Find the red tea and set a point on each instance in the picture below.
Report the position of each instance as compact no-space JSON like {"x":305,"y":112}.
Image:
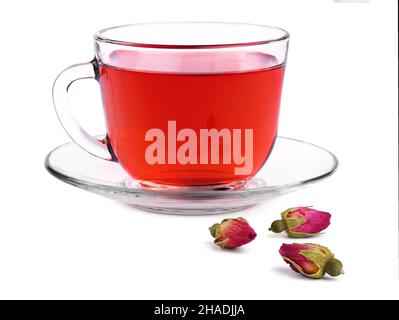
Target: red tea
{"x":191,"y":119}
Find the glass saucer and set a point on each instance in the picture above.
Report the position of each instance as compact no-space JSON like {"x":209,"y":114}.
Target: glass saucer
{"x":291,"y":165}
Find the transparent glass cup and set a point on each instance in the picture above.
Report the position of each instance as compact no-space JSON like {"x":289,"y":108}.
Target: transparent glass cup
{"x":186,"y":104}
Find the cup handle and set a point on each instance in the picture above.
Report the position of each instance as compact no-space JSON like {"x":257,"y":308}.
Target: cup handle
{"x":62,"y":83}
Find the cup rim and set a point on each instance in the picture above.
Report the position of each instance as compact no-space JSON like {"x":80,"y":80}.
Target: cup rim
{"x":100,"y":37}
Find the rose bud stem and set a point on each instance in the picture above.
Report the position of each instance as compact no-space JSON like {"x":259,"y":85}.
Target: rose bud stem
{"x":334,"y":267}
{"x":278,"y":226}
{"x":213,"y":229}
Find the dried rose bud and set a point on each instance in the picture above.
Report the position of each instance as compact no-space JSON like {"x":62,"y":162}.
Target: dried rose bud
{"x":311,"y":260}
{"x":301,"y":222}
{"x":232,"y":233}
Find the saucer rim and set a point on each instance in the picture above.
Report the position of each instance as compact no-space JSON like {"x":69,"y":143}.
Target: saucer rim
{"x":165,"y":192}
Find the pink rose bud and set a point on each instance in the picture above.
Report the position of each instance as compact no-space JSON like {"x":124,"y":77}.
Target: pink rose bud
{"x":301,"y":222}
{"x":311,"y":260}
{"x":232,"y":233}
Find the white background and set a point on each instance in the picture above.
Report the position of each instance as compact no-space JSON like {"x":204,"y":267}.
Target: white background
{"x":340,"y":92}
